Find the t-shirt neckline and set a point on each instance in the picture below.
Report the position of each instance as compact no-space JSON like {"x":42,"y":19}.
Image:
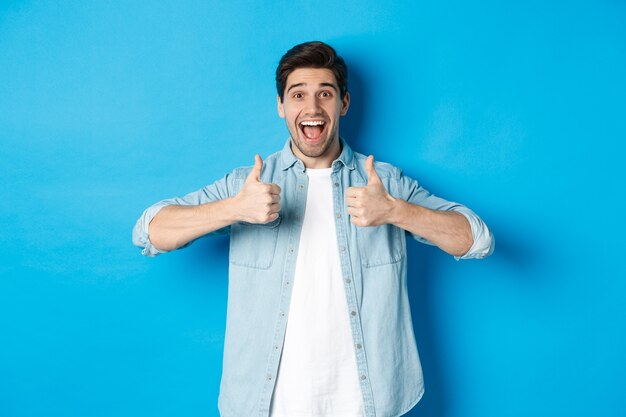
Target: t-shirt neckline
{"x":319,"y":172}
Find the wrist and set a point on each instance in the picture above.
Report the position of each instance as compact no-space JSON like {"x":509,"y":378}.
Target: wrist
{"x":230,"y":210}
{"x":394,"y":212}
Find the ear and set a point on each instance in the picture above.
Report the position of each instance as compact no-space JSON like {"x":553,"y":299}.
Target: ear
{"x":345,"y":103}
{"x":281,"y":110}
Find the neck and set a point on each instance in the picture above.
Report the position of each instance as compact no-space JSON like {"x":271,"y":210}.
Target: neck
{"x":323,"y":161}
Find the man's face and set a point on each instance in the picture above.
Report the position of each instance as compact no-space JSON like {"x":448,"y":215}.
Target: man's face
{"x":311,"y":108}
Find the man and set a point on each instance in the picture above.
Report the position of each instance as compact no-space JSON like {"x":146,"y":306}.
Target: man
{"x":318,"y":320}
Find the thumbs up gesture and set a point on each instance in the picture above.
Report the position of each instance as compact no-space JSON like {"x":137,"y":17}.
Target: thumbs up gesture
{"x":370,"y":205}
{"x":257,"y":202}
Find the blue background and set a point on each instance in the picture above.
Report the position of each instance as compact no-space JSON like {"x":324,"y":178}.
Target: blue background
{"x":516,"y":110}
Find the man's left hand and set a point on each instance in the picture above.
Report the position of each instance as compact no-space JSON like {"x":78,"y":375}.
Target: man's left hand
{"x":371,"y":205}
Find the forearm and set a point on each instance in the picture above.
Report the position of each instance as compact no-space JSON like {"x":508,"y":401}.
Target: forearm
{"x":176,"y":225}
{"x":449,"y":230}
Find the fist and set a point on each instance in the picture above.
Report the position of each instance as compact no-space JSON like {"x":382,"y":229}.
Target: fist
{"x":258,"y":202}
{"x":370,"y":205}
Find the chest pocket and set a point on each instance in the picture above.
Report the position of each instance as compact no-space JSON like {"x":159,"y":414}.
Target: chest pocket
{"x":253,"y":245}
{"x":380,"y":245}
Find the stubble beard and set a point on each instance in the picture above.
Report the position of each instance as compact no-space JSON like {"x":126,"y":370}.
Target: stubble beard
{"x":315,"y":152}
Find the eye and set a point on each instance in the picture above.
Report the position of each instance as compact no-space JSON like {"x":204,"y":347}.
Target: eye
{"x":298,"y":95}
{"x":325,"y":94}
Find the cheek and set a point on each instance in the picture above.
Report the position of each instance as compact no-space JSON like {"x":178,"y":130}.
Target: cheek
{"x":334,"y":110}
{"x":292,"y":116}
{"x":291,"y":122}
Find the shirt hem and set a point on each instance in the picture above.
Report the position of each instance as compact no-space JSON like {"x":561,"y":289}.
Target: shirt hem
{"x":410,"y":407}
{"x":403,"y":412}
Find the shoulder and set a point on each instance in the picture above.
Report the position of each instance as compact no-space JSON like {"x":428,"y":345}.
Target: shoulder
{"x":384,"y":170}
{"x":271,"y":168}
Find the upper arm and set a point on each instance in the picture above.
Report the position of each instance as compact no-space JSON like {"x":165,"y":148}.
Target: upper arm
{"x":219,"y":190}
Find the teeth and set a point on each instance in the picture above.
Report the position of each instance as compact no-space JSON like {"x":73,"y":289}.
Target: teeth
{"x":312,"y":123}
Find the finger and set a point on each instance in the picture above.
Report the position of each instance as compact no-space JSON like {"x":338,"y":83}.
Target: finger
{"x":353,"y":202}
{"x":274,"y":189}
{"x":372,"y":176}
{"x":353,"y":211}
{"x":352,"y":192}
{"x":267,"y":199}
{"x":357,"y":221}
{"x":270,"y":217}
{"x":255,"y":173}
{"x":275,"y":208}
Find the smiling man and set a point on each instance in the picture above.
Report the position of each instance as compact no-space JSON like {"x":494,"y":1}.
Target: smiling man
{"x":311,"y":106}
{"x":318,"y":320}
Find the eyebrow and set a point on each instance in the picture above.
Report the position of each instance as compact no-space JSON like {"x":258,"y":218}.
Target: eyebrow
{"x":331,"y":85}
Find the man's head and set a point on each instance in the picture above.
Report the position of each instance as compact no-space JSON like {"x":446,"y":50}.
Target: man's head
{"x":311,"y":81}
{"x":311,"y":55}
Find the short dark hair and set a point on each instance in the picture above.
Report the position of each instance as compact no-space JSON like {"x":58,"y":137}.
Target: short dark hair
{"x":313,"y":54}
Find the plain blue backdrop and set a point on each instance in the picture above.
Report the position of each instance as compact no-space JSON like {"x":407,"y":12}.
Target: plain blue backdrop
{"x":516,"y":110}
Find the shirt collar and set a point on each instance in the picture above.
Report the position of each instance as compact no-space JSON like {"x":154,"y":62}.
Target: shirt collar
{"x":346,"y":157}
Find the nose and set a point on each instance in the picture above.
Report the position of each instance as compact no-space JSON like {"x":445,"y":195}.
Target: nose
{"x":313,"y":105}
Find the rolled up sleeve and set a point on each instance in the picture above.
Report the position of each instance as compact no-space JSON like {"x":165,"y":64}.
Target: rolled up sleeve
{"x":484,"y":242}
{"x":141,"y":237}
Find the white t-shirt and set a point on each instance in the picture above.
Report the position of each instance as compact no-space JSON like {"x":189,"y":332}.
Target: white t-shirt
{"x":317,"y":376}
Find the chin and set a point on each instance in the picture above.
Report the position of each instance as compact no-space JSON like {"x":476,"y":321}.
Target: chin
{"x":313,"y":150}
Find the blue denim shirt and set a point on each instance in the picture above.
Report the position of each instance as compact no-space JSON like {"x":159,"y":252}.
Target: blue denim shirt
{"x":374,"y":268}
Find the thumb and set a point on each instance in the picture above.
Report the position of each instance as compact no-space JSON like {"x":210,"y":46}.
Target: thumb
{"x":255,"y":174}
{"x":372,"y":176}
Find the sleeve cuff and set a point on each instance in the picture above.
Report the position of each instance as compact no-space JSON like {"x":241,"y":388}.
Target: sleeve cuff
{"x":141,"y":236}
{"x":484,"y":241}
{"x":151,"y":251}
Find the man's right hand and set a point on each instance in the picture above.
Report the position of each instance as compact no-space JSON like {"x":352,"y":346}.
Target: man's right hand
{"x":257,"y":202}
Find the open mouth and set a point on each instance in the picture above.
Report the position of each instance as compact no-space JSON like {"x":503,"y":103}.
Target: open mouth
{"x":312,"y":129}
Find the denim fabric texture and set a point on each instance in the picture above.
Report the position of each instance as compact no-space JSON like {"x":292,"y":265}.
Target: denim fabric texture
{"x":374,"y":268}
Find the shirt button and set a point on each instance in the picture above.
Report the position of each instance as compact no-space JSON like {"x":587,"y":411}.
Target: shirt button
{"x":342,"y":248}
{"x":348,"y":281}
{"x":336,"y":184}
{"x":269,"y":377}
{"x":363,"y":377}
{"x":290,"y":250}
{"x":338,"y":215}
{"x":353,"y":313}
{"x":301,"y":186}
{"x":286,"y":283}
{"x":358,"y":346}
